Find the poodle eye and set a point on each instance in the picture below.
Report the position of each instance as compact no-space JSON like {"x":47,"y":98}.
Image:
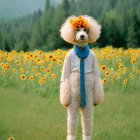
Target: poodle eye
{"x":85,"y":29}
{"x":77,"y":29}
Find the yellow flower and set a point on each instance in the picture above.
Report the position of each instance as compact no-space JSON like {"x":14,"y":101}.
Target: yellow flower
{"x":38,"y":74}
{"x":14,"y":70}
{"x":23,"y":77}
{"x":40,"y":81}
{"x":11,"y":138}
{"x":50,"y":65}
{"x":108,"y":57}
{"x":2,"y":58}
{"x":17,"y":62}
{"x":21,"y":69}
{"x":134,"y":68}
{"x":60,"y":62}
{"x":118,"y":71}
{"x":132,"y":76}
{"x":137,"y":71}
{"x":125,"y":81}
{"x":48,"y":70}
{"x":120,"y":66}
{"x":113,"y":79}
{"x":33,"y":68}
{"x":53,"y":75}
{"x":107,"y":73}
{"x":133,"y":61}
{"x":103,"y":67}
{"x":42,"y":68}
{"x":104,"y":81}
{"x":3,"y":72}
{"x":31,"y":77}
{"x":125,"y":69}
{"x":54,"y":59}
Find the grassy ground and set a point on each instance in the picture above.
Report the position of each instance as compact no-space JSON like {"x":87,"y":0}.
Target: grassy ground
{"x":32,"y":117}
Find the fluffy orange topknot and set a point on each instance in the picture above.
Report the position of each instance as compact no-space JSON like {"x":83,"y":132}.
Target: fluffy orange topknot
{"x":79,"y":22}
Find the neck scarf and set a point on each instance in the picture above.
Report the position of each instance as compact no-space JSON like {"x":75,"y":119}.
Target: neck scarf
{"x":82,"y":53}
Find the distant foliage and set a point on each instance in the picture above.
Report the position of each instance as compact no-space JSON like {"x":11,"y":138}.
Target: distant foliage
{"x":120,"y":20}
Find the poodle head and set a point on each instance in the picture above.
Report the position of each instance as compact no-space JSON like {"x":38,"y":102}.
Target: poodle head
{"x":80,"y":29}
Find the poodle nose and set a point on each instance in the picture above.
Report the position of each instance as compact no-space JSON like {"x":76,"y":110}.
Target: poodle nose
{"x":82,"y":36}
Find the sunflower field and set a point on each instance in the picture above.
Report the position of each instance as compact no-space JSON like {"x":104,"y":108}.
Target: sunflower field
{"x":40,"y":71}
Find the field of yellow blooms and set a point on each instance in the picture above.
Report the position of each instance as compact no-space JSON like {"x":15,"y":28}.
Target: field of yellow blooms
{"x":40,"y":71}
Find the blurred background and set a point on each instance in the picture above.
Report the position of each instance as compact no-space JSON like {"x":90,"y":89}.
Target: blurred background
{"x":34,"y":24}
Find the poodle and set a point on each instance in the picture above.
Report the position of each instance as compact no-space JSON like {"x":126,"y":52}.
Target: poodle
{"x":81,"y":86}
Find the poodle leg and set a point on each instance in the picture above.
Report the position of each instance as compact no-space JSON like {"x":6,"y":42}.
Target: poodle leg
{"x":72,"y":120}
{"x":87,"y":121}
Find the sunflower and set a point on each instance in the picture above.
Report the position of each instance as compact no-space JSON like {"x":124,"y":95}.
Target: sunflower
{"x":43,"y":79}
{"x":125,"y":81}
{"x":17,"y":62}
{"x":132,"y":76}
{"x":21,"y":69}
{"x":53,"y":75}
{"x":104,"y":67}
{"x":38,"y":74}
{"x":60,"y":62}
{"x":3,"y":72}
{"x":2,"y":58}
{"x":33,"y":68}
{"x":54,"y":59}
{"x":113,"y":79}
{"x":137,"y":71}
{"x":50,"y":65}
{"x":125,"y":69}
{"x":23,"y":77}
{"x":108,"y":56}
{"x":104,"y":81}
{"x":31,"y":77}
{"x":133,"y":61}
{"x":42,"y":68}
{"x":120,"y":66}
{"x":14,"y":70}
{"x":40,"y":81}
{"x":116,"y":54}
{"x":32,"y":60}
{"x":134,"y":68}
{"x":11,"y":138}
{"x":101,"y":57}
{"x":107,"y":73}
{"x":48,"y":70}
{"x":118,"y":71}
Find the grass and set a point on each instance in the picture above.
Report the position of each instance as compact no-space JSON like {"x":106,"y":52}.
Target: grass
{"x":32,"y":117}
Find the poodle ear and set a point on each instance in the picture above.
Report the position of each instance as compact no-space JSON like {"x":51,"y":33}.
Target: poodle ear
{"x":67,"y":32}
{"x":94,"y":29}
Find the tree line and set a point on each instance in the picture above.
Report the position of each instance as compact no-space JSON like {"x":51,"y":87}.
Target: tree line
{"x":119,"y":19}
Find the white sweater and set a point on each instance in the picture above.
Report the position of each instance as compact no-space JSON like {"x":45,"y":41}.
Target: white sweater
{"x":72,"y":63}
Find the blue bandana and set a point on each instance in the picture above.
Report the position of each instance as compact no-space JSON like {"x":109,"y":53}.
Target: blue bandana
{"x":82,"y":52}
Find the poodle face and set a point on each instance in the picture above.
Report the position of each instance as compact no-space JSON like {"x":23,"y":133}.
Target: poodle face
{"x":81,"y":34}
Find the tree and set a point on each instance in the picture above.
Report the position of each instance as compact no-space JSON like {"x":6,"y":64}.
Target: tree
{"x":134,"y":32}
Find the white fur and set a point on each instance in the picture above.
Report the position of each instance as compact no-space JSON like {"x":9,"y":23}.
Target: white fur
{"x":65,"y":92}
{"x":70,"y":88}
{"x":68,"y":33}
{"x":86,"y":137}
{"x":98,"y":93}
{"x":69,"y":137}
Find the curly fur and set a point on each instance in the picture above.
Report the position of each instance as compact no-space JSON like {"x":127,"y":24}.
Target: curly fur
{"x":65,"y":92}
{"x":98,"y":92}
{"x":68,"y":33}
{"x":70,"y":88}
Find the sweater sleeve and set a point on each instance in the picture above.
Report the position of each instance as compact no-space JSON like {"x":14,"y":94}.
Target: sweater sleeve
{"x":95,"y":66}
{"x":66,"y":68}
